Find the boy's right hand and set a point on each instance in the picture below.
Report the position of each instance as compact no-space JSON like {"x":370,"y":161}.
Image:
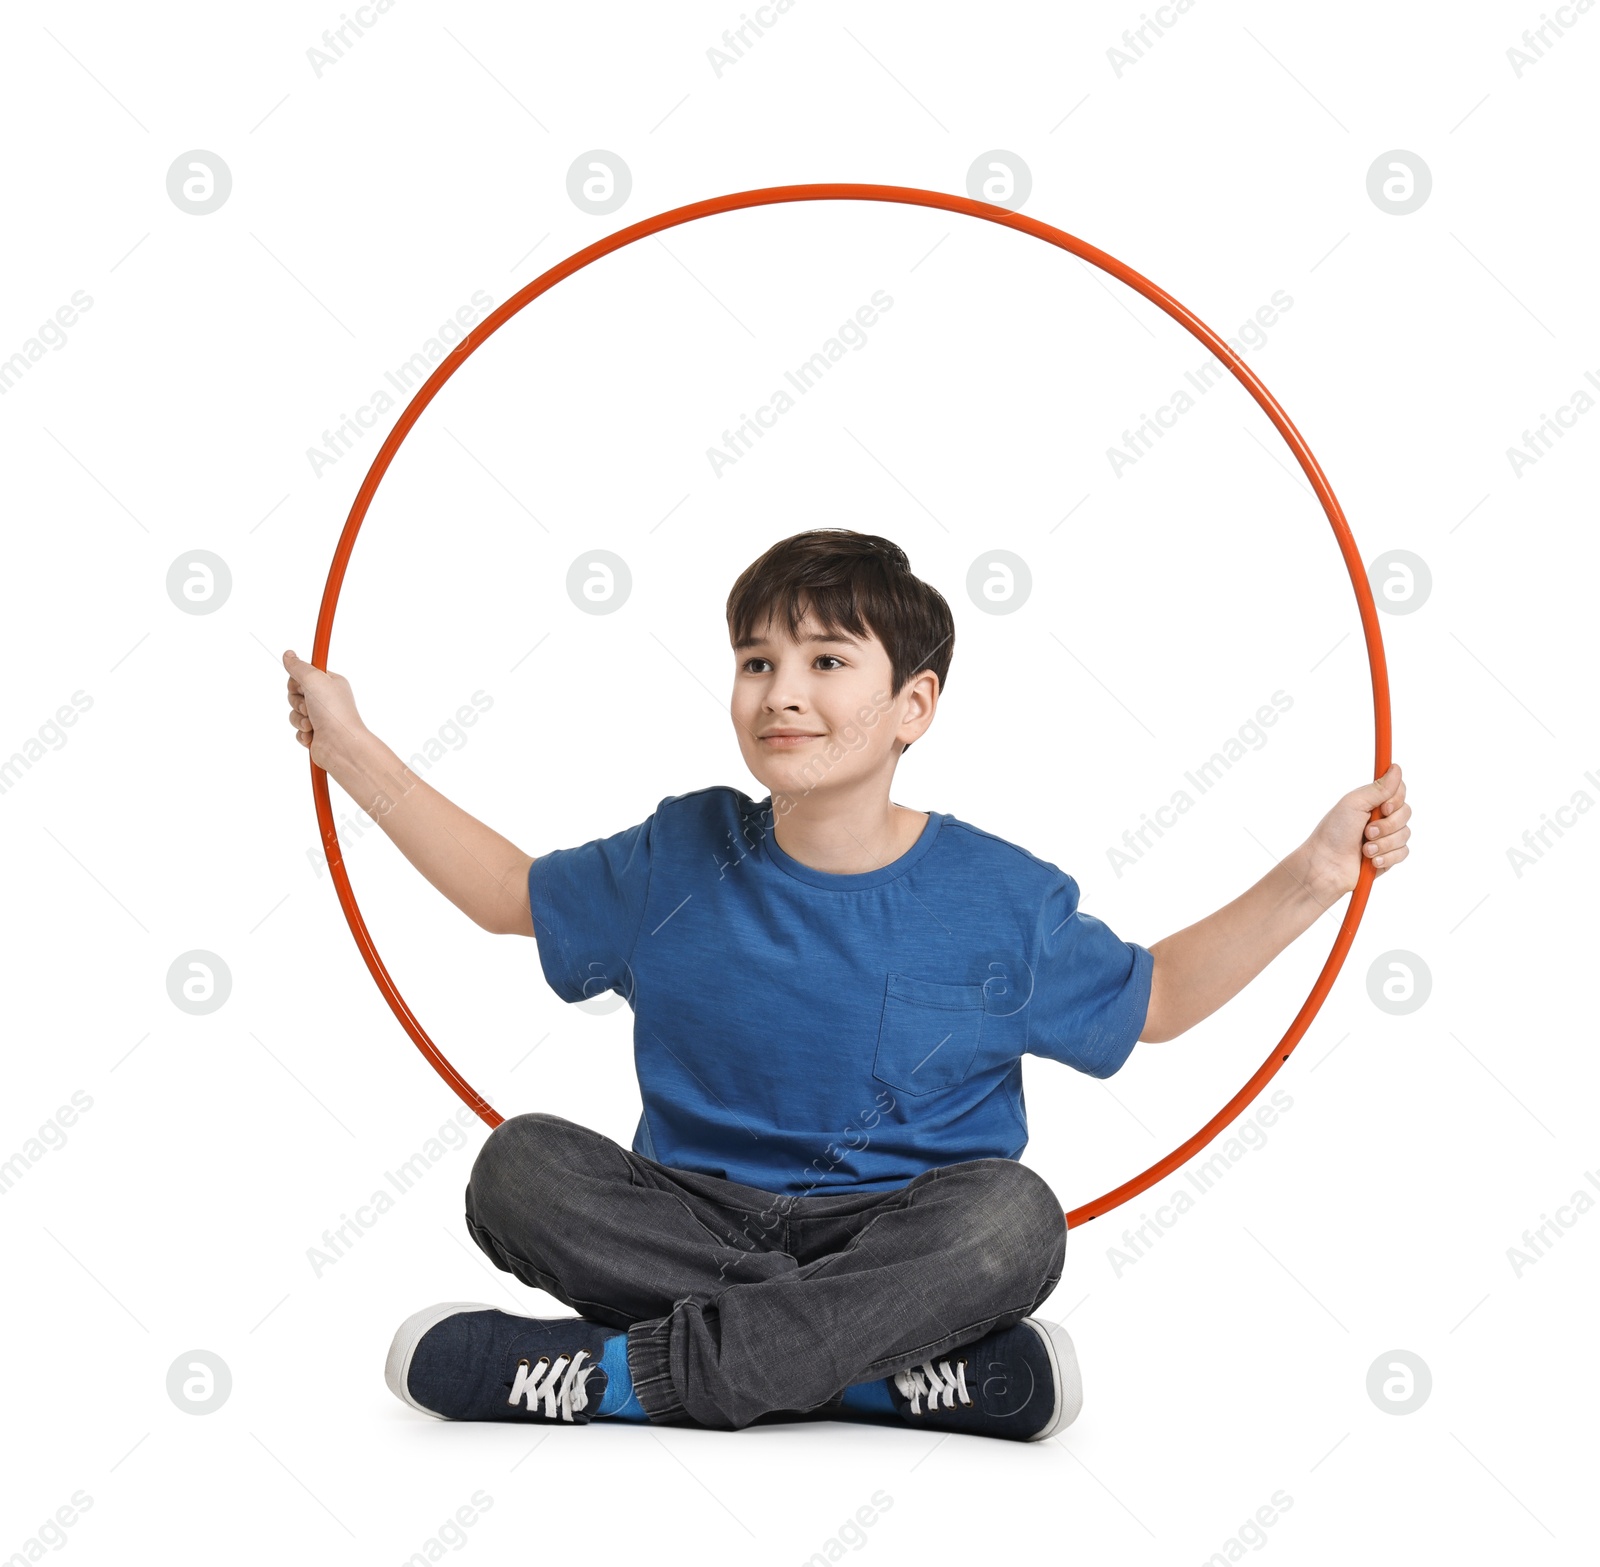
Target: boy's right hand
{"x":323,"y":712}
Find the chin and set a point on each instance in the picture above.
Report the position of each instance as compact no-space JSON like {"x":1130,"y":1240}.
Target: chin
{"x":779,"y":779}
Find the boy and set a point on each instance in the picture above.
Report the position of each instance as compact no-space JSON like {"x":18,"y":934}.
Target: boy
{"x":822,"y":1214}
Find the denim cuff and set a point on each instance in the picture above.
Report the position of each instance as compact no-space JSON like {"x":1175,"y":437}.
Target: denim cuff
{"x":650,"y":1368}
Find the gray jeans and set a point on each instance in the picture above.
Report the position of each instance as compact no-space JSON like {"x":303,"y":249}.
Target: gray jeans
{"x":744,"y":1305}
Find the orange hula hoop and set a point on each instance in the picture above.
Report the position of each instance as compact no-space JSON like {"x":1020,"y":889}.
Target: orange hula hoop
{"x":911,"y":196}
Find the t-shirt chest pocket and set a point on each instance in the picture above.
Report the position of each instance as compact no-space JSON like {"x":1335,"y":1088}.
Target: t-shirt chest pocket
{"x":928,"y":1036}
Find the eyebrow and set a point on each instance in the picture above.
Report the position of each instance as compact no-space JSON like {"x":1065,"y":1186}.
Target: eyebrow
{"x":761,"y":641}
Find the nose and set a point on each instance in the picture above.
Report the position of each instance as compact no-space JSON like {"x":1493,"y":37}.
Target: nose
{"x":785,"y":694}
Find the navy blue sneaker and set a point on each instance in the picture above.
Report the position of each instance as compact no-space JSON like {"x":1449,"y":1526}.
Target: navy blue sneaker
{"x":1020,"y":1382}
{"x":463,"y":1361}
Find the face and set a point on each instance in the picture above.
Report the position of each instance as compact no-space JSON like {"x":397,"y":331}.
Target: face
{"x":832,"y":692}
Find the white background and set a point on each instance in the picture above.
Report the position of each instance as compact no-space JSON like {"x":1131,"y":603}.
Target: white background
{"x":1228,"y":1362}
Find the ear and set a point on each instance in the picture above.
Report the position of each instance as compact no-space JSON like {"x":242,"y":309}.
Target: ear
{"x":918,"y":702}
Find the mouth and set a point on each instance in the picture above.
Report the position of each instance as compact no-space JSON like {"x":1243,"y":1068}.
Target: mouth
{"x":781,"y":740}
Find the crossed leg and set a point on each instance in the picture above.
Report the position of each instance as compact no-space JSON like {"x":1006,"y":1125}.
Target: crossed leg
{"x":741,"y":1303}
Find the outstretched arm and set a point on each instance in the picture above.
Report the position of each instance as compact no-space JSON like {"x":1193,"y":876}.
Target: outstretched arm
{"x":483,"y":874}
{"x":1200,"y":967}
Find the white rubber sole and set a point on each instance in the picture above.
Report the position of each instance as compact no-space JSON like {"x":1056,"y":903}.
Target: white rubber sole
{"x":397,"y":1367}
{"x":1068,"y":1378}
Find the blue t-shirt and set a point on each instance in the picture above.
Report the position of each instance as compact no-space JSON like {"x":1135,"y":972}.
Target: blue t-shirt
{"x":800,"y":1031}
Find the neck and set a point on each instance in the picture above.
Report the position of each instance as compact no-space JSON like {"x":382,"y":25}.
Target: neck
{"x":845,"y":833}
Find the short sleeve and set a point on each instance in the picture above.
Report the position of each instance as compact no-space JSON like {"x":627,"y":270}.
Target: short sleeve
{"x":1091,"y":990}
{"x":587,"y":905}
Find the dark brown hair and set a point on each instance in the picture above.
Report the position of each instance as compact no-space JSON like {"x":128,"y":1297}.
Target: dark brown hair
{"x":853,"y":582}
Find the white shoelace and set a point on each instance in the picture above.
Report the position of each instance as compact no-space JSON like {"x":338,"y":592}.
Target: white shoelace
{"x":933,"y":1381}
{"x":559,"y":1382}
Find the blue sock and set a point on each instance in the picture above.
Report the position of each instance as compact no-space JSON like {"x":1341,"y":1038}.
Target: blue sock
{"x":871,"y":1396}
{"x":619,"y":1401}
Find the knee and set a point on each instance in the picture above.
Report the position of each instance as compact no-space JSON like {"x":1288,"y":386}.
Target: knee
{"x":526,"y":1159}
{"x":1018,"y":1239}
{"x":1036,"y":1209}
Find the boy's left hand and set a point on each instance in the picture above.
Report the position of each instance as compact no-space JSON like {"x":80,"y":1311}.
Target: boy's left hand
{"x":1347,"y":835}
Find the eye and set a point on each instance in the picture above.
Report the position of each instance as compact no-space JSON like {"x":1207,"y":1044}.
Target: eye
{"x":832,"y":657}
